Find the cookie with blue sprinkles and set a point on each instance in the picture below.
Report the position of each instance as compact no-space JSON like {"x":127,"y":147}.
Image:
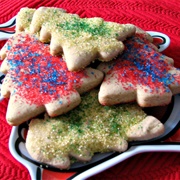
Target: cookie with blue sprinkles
{"x":38,"y":82}
{"x":140,"y":74}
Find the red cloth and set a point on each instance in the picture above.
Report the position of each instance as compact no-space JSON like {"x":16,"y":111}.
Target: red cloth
{"x":162,"y":16}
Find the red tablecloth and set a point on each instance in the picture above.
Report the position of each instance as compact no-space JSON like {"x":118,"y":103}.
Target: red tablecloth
{"x":156,"y":15}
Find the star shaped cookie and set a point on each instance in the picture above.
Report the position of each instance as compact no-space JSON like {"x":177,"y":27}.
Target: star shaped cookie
{"x":37,"y":82}
{"x":140,"y":74}
{"x":82,"y":40}
{"x":88,"y":129}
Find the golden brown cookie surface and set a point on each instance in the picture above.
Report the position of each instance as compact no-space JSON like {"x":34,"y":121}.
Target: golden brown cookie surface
{"x":82,"y":40}
{"x":88,"y":129}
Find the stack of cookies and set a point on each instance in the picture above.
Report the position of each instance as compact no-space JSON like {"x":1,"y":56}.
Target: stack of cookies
{"x":89,"y":77}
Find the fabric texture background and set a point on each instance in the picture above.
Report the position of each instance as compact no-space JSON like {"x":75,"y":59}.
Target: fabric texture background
{"x":156,"y":15}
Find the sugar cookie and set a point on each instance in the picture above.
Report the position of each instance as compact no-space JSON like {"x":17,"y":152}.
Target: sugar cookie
{"x":82,"y":40}
{"x":88,"y":129}
{"x":140,"y":74}
{"x":36,"y":81}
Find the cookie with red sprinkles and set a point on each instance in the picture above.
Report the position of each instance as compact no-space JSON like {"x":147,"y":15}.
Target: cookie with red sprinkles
{"x":37,"y":82}
{"x":140,"y":74}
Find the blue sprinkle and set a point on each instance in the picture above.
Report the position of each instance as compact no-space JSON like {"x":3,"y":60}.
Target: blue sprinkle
{"x":20,"y":83}
{"x":60,"y":102}
{"x":49,"y":65}
{"x":8,"y":47}
{"x":13,"y":92}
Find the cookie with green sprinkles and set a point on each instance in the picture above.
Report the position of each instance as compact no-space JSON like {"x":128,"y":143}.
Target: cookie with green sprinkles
{"x":81,"y":40}
{"x":88,"y":129}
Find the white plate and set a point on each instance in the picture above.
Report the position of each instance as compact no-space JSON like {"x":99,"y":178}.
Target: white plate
{"x":100,"y":162}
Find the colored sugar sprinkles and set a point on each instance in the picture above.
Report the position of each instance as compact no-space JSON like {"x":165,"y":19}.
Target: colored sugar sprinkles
{"x":140,"y":74}
{"x":82,"y":40}
{"x":40,"y":82}
{"x":36,"y":72}
{"x":142,"y":65}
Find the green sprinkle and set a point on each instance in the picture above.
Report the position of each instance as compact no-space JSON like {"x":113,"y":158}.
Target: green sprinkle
{"x":78,"y":25}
